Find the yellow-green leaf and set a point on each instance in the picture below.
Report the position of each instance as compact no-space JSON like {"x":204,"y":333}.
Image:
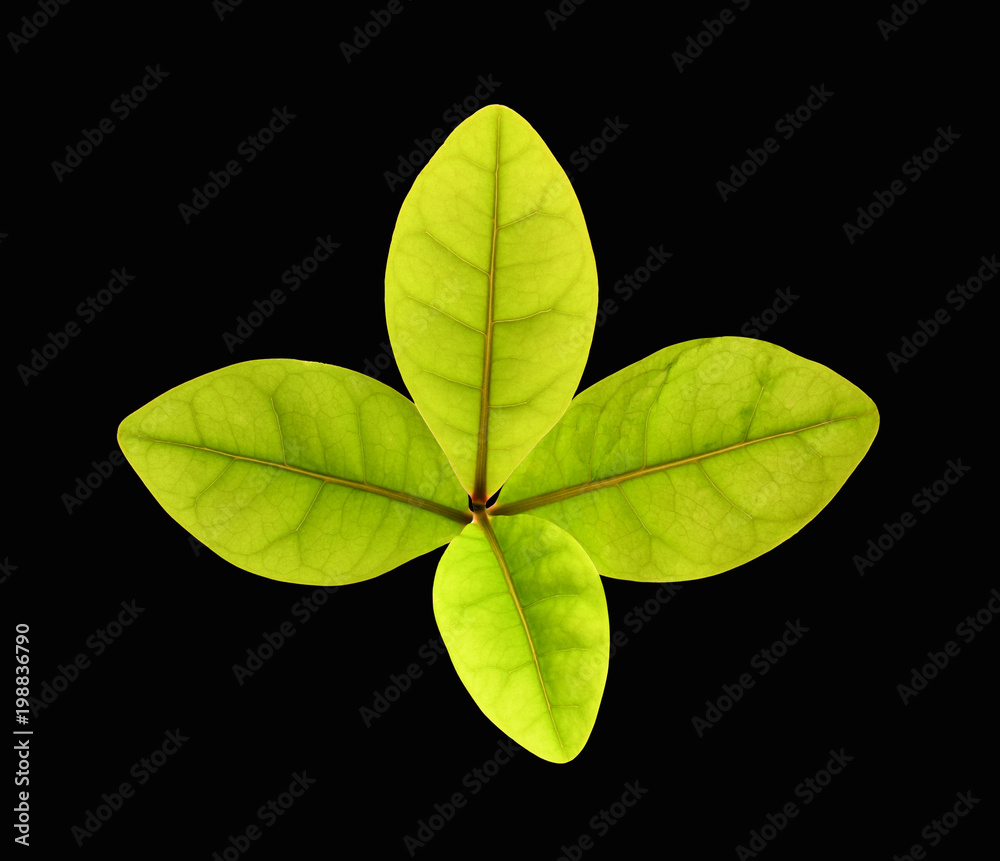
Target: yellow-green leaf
{"x":696,"y":459}
{"x":491,"y":295}
{"x":297,"y":471}
{"x":523,"y":615}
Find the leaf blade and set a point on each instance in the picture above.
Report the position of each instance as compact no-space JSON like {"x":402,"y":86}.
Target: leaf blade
{"x":296,"y":471}
{"x":523,"y":615}
{"x":684,"y":464}
{"x":490,"y":239}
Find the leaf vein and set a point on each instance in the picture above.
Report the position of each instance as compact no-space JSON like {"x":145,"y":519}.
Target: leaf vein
{"x":452,"y":251}
{"x":395,"y":495}
{"x":720,"y":492}
{"x":498,"y":552}
{"x":281,"y":436}
{"x":592,"y":485}
{"x":442,"y":311}
{"x":549,"y":598}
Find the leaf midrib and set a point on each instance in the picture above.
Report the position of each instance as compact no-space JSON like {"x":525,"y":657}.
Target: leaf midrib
{"x":479,"y":494}
{"x":462,"y":517}
{"x":565,"y":493}
{"x":484,"y":522}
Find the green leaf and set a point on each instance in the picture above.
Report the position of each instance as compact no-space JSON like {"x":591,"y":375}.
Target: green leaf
{"x":297,"y":471}
{"x":491,"y":295}
{"x":523,"y":615}
{"x":693,"y":461}
{"x":696,"y":459}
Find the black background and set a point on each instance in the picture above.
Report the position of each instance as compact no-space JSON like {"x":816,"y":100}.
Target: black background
{"x":67,"y":572}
